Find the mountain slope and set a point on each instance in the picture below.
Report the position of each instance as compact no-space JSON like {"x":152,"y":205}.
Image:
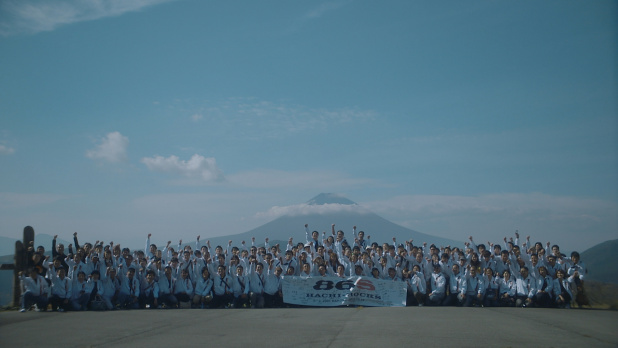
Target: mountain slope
{"x":329,"y":198}
{"x":600,"y":263}
{"x":322,"y":211}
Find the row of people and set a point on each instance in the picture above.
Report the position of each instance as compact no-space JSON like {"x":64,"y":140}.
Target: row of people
{"x":329,"y":256}
{"x":127,"y":290}
{"x":334,"y":252}
{"x":463,"y":288}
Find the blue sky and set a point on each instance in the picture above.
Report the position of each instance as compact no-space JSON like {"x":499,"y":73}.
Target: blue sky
{"x":179,"y":118}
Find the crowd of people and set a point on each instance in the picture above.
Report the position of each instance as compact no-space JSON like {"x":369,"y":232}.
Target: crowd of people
{"x":104,"y":276}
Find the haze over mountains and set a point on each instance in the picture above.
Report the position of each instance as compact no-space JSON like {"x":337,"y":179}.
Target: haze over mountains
{"x":7,"y":245}
{"x":320,"y":213}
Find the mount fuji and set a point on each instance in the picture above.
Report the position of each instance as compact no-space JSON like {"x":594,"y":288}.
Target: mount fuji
{"x":320,"y":213}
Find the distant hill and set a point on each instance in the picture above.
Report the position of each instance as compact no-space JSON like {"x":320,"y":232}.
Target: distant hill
{"x":6,"y":287}
{"x":600,"y":262}
{"x":7,"y":245}
{"x":325,"y":209}
{"x":319,"y":212}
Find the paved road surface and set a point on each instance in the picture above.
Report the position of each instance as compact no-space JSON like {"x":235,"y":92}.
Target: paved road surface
{"x":314,"y":327}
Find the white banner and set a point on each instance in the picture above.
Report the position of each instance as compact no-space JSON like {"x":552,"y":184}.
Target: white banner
{"x":335,"y":291}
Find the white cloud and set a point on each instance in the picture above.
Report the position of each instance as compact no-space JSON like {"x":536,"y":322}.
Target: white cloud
{"x":198,"y":169}
{"x":6,"y":150}
{"x":32,"y":16}
{"x":113,"y":148}
{"x":315,"y":13}
{"x":196,"y":117}
{"x":325,"y":8}
{"x":309,"y":209}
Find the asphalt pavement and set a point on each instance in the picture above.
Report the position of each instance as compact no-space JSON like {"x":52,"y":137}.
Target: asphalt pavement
{"x":314,"y":327}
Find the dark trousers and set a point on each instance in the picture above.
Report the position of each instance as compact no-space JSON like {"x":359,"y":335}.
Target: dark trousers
{"x":273,"y":301}
{"x":81,"y":302}
{"x":508,"y":301}
{"x":58,"y":302}
{"x":29,"y":299}
{"x":257,"y":300}
{"x":490,"y":299}
{"x":414,"y":299}
{"x":567,"y":299}
{"x":239,"y":301}
{"x":451,"y":300}
{"x":542,"y":299}
{"x":472,"y":299}
{"x":146,"y":300}
{"x":522,"y":301}
{"x":127,"y":301}
{"x":220,"y":301}
{"x":168,"y":299}
{"x":435,"y":299}
{"x":183,"y":297}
